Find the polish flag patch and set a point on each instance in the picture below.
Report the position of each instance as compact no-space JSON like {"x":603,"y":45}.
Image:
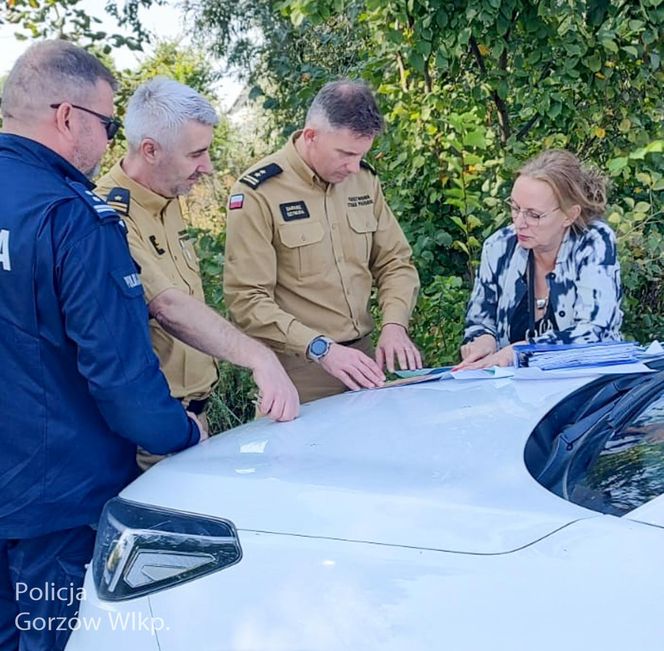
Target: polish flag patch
{"x":236,"y":201}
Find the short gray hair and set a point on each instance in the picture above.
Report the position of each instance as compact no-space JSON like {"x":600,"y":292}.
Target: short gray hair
{"x":347,"y":104}
{"x":51,"y":72}
{"x":159,"y":107}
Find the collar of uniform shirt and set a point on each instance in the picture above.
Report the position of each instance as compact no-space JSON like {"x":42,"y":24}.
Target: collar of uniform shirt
{"x":42,"y":155}
{"x":299,"y":166}
{"x":152,"y":202}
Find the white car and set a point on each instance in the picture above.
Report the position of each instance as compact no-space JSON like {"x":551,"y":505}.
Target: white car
{"x":402,"y":519}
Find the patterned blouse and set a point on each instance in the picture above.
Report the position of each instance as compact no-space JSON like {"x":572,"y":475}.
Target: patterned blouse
{"x":584,"y":288}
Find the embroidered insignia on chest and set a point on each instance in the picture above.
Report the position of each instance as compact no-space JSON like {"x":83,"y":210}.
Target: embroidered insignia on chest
{"x":236,"y":202}
{"x":294,"y":210}
{"x":362,"y":200}
{"x":254,"y":178}
{"x":157,"y":248}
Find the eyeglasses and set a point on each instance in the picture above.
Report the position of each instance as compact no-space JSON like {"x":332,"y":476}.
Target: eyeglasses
{"x":533,"y":218}
{"x":111,"y":125}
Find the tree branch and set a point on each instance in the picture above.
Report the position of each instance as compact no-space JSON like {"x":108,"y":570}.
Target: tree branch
{"x":403,"y":80}
{"x":475,"y":50}
{"x":428,"y":82}
{"x":503,"y":117}
{"x":501,"y":107}
{"x":523,"y":131}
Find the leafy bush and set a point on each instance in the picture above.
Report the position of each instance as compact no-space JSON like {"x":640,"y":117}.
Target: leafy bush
{"x":437,"y":324}
{"x":638,"y":218}
{"x":231,"y":403}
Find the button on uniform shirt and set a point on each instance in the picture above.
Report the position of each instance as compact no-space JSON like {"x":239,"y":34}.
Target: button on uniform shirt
{"x":160,"y":245}
{"x":302,"y":255}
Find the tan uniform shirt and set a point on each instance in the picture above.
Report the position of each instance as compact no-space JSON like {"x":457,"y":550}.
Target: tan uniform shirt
{"x":302,"y":255}
{"x":159,"y":244}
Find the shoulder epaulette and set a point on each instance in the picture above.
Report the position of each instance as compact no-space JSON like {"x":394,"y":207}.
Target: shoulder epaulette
{"x":254,"y":178}
{"x":118,"y":199}
{"x":368,"y":166}
{"x":102,"y":209}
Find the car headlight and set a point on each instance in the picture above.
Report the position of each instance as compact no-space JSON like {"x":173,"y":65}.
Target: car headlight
{"x":141,"y":549}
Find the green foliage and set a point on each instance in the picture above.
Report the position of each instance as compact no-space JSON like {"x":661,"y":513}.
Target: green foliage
{"x":66,"y":19}
{"x":437,"y":323}
{"x":187,"y":65}
{"x":284,"y":67}
{"x":232,"y":402}
{"x":639,"y":222}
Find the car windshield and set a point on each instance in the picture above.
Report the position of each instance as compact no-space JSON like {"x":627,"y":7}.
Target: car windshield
{"x":629,"y":469}
{"x":603,"y":446}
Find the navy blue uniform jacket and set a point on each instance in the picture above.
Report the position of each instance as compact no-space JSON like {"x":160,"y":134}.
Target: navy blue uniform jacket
{"x":79,"y":383}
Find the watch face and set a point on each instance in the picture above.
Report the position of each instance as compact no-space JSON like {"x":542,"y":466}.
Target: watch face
{"x":318,"y":347}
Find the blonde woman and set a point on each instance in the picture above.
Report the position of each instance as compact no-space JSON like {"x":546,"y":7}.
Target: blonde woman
{"x":553,"y":275}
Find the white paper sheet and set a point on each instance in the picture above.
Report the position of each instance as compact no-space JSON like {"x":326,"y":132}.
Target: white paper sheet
{"x":588,"y":371}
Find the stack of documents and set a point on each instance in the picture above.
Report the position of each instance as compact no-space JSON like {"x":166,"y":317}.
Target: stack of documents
{"x":555,"y":356}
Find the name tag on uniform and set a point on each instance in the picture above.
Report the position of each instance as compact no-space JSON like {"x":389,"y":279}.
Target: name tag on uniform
{"x":363,"y":200}
{"x":294,"y":210}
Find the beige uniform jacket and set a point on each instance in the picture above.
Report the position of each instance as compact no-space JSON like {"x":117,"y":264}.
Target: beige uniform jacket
{"x":302,"y":255}
{"x":159,"y":244}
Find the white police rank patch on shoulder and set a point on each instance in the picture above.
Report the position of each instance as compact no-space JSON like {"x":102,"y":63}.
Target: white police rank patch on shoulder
{"x":102,"y":209}
{"x":5,"y":260}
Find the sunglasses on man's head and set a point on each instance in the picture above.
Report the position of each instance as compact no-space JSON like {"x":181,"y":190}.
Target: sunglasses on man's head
{"x":111,"y":125}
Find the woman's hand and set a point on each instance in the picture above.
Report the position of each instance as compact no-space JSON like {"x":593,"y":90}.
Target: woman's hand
{"x":478,"y":348}
{"x":504,"y":357}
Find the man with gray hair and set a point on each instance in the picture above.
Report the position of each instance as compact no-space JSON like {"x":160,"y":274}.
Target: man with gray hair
{"x":308,"y":235}
{"x":80,"y":385}
{"x":169,"y":129}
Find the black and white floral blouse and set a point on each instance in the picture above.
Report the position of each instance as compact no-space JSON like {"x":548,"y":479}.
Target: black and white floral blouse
{"x":584,"y":288}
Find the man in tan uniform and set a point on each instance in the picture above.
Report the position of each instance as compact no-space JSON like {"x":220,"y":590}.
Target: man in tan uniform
{"x":169,"y":128}
{"x":308,"y":235}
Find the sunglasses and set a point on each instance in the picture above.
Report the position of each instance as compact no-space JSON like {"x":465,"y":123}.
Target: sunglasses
{"x":111,"y":125}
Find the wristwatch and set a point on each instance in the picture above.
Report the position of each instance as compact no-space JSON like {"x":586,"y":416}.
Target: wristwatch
{"x":319,"y":347}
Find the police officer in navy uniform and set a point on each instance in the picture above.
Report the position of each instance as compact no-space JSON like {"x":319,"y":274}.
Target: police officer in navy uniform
{"x":81,"y":386}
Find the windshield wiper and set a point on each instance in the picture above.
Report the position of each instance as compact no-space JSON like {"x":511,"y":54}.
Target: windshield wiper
{"x":580,"y":442}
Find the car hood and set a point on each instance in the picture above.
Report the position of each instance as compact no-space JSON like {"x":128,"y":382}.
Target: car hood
{"x":436,"y":466}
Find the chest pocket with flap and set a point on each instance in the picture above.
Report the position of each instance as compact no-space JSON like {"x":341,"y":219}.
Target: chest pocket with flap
{"x":304,"y":249}
{"x":363,"y":225}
